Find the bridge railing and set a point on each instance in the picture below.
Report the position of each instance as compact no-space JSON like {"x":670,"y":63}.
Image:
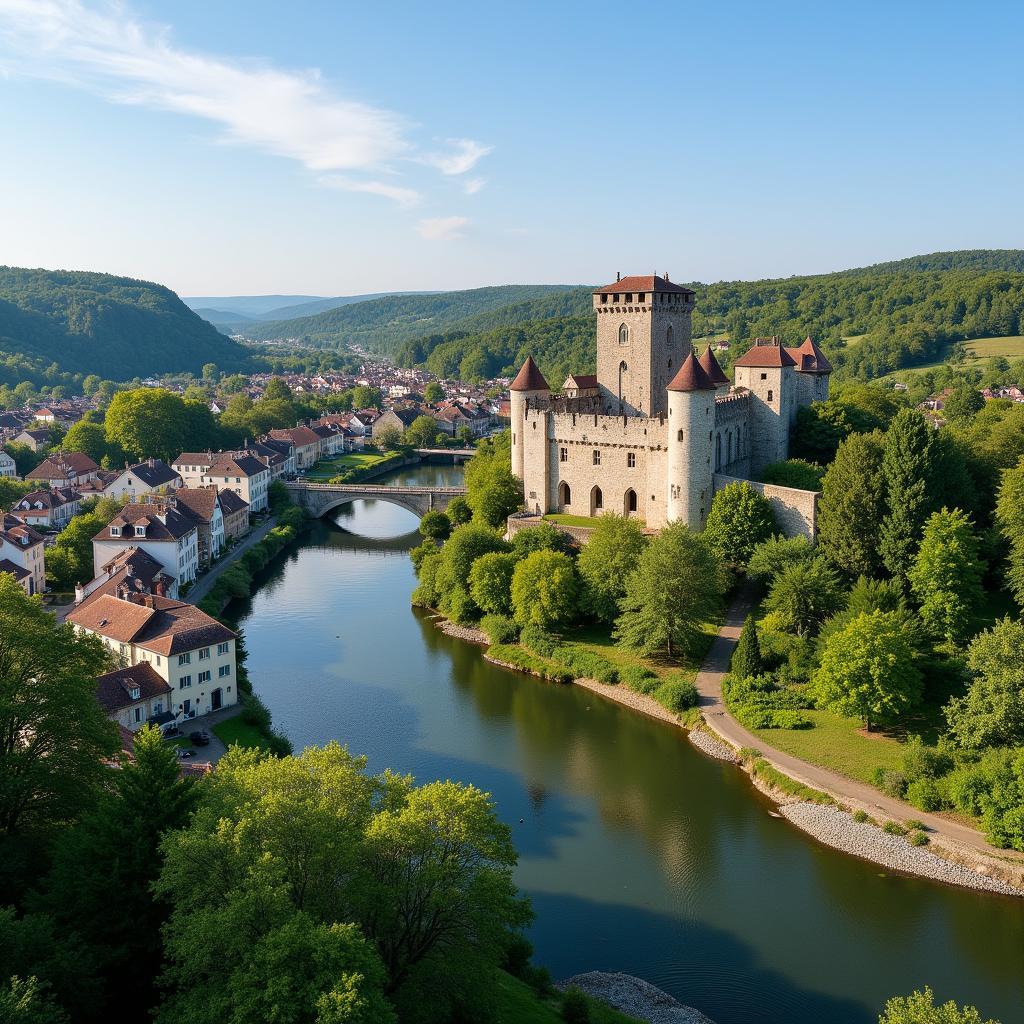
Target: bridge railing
{"x":372,"y":488}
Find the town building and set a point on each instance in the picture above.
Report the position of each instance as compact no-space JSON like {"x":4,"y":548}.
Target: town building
{"x":305,"y":441}
{"x":130,"y":571}
{"x":156,"y":527}
{"x":49,"y":509}
{"x":246,"y":475}
{"x":21,"y":554}
{"x":235,"y":512}
{"x":192,"y":652}
{"x":203,"y":506}
{"x":394,"y":419}
{"x":656,"y":431}
{"x":8,"y":468}
{"x":132,"y":696}
{"x":153,"y":476}
{"x":64,"y":469}
{"x":36,"y":438}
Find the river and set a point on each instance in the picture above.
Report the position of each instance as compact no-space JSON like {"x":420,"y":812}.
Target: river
{"x":639,"y":853}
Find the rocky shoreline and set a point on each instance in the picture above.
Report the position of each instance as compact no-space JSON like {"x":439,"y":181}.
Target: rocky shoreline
{"x":712,"y":746}
{"x":635,"y":997}
{"x":836,"y":828}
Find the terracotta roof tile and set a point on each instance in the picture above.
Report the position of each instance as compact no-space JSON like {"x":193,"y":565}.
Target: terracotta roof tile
{"x":712,"y":367}
{"x":642,"y":284}
{"x":529,"y":378}
{"x":691,"y":377}
{"x":114,"y":689}
{"x":809,"y":358}
{"x":766,"y":352}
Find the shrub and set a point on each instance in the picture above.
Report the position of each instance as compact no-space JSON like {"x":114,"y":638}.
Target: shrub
{"x":500,"y":629}
{"x":921,"y":761}
{"x":418,"y":553}
{"x":539,"y":640}
{"x":919,"y":839}
{"x":584,"y":663}
{"x":633,"y":674}
{"x":677,"y":695}
{"x":461,"y":607}
{"x":894,"y":828}
{"x":512,"y":654}
{"x":914,"y":823}
{"x":575,"y":1008}
{"x":860,"y":816}
{"x":926,"y":794}
{"x":890,"y":782}
{"x":435,"y":525}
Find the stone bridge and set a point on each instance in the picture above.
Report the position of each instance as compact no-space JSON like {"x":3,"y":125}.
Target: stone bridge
{"x":318,"y":499}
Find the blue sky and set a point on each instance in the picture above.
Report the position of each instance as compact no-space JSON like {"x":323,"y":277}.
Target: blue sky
{"x":337,"y":148}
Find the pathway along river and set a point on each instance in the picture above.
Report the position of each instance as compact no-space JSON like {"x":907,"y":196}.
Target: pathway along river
{"x":640,"y":854}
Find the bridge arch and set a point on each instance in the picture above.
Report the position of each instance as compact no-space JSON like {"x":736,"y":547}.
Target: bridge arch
{"x":319,"y":499}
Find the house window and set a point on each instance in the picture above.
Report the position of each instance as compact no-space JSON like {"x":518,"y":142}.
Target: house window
{"x":184,"y":681}
{"x":204,"y":677}
{"x":140,"y":531}
{"x":224,"y":670}
{"x":563,"y":454}
{"x":124,"y":650}
{"x":185,"y":659}
{"x":135,"y":693}
{"x":764,"y":376}
{"x":204,"y":653}
{"x":597,"y":456}
{"x":770,"y":393}
{"x":623,"y":334}
{"x":631,"y":460}
{"x":223,"y":648}
{"x":138,"y":714}
{"x":115,"y":531}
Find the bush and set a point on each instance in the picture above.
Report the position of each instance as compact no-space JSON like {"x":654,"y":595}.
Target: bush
{"x":926,"y":794}
{"x":500,"y":629}
{"x":914,"y":823}
{"x":461,"y":608}
{"x":512,"y":654}
{"x":891,"y":782}
{"x":894,"y":828}
{"x":677,"y":695}
{"x":860,"y":816}
{"x":435,"y":525}
{"x":418,"y":553}
{"x":921,"y":761}
{"x":575,"y":1008}
{"x":539,"y":640}
{"x":585,"y":664}
{"x":919,"y":839}
{"x":635,"y":675}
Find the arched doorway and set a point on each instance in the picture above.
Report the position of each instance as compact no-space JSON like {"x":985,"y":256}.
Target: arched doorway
{"x":596,"y":501}
{"x":564,"y":494}
{"x":629,"y":502}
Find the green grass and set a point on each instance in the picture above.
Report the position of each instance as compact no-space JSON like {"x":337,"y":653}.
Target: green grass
{"x":599,"y":640}
{"x":762,"y":770}
{"x":234,"y":730}
{"x":517,"y":1003}
{"x":566,"y":520}
{"x":853,"y":339}
{"x":327,"y":468}
{"x":1009,"y":346}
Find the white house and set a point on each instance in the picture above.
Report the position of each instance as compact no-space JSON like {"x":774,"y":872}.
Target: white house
{"x":48,"y":510}
{"x":159,"y":529}
{"x":21,"y":553}
{"x":246,"y":475}
{"x":153,"y":476}
{"x":7,"y":467}
{"x":203,"y":505}
{"x":192,"y":652}
{"x":132,"y":696}
{"x":64,"y":469}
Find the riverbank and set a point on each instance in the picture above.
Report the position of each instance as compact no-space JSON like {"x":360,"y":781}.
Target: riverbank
{"x":635,"y":997}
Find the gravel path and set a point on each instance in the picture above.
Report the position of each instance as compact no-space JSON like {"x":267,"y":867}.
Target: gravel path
{"x":636,"y":997}
{"x":837,"y":829}
{"x":708,"y":744}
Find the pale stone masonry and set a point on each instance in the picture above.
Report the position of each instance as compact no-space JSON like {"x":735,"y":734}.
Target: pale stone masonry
{"x":656,"y":431}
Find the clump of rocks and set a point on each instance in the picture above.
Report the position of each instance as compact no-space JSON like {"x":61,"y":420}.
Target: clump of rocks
{"x":712,"y":746}
{"x":635,"y":997}
{"x":837,"y":829}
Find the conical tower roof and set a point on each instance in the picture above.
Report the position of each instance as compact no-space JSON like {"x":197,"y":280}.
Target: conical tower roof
{"x":711,"y":366}
{"x":691,"y":377}
{"x":529,"y":378}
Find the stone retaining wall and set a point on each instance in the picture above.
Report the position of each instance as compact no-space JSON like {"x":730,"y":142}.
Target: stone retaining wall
{"x":796,"y":511}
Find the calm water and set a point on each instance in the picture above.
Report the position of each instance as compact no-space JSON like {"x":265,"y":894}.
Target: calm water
{"x":639,"y":854}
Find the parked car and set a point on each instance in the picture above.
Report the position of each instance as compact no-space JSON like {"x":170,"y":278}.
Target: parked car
{"x":200,"y":737}
{"x":184,"y":752}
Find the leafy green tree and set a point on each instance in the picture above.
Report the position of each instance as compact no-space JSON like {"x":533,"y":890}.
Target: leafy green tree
{"x":490,"y":582}
{"x":12,"y":491}
{"x":148,"y":423}
{"x":819,"y":430}
{"x":852,"y":505}
{"x":435,"y":525}
{"x":907,"y":475}
{"x":53,"y":733}
{"x":25,"y":1001}
{"x":542,"y":537}
{"x":606,"y":561}
{"x":771,"y":556}
{"x":991,"y":713}
{"x":920,"y":1008}
{"x":798,"y":473}
{"x":433,"y":393}
{"x":676,"y":588}
{"x":739,"y":520}
{"x":459,"y":511}
{"x":89,"y":438}
{"x":804,"y":594}
{"x":946,"y":574}
{"x":277,"y":390}
{"x":964,"y":402}
{"x":25,"y":460}
{"x":365,"y":397}
{"x":210,"y":371}
{"x":69,"y":560}
{"x":494,"y":492}
{"x":867,"y":670}
{"x":545,"y":590}
{"x":1010,"y":519}
{"x":422,"y":432}
{"x":747,"y":660}
{"x":89,"y":385}
{"x":389,"y":439}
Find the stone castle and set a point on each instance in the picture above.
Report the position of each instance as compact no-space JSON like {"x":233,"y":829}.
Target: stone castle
{"x":657,"y":431}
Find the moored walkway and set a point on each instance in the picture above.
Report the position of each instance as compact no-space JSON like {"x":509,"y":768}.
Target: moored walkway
{"x":845,"y":790}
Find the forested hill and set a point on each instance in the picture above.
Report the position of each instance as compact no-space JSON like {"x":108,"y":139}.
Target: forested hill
{"x":383,"y":324}
{"x":959,"y":259}
{"x":115,"y":327}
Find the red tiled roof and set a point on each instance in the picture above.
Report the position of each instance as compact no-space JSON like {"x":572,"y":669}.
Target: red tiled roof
{"x":643,"y":284}
{"x":711,"y":366}
{"x":14,"y":531}
{"x":529,"y":378}
{"x":56,"y":466}
{"x":766,"y":352}
{"x":113,"y":690}
{"x":581,"y":380}
{"x":691,"y":377}
{"x":809,"y":358}
{"x":6,"y":565}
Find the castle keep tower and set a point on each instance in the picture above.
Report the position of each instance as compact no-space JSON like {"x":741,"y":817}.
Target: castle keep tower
{"x":529,"y":384}
{"x":691,"y":422}
{"x":767,"y":371}
{"x":643,"y":336}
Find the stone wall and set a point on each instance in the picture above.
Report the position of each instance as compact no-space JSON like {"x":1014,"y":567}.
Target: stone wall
{"x":796,"y":511}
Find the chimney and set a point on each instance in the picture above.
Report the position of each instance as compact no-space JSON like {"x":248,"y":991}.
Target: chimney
{"x":160,"y":586}
{"x":618,"y":275}
{"x":79,"y":593}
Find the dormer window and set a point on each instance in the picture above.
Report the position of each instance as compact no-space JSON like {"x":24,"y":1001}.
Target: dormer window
{"x":140,"y":530}
{"x":115,"y":531}
{"x":135,"y":693}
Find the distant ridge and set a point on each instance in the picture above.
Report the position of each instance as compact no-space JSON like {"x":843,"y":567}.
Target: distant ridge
{"x":239,"y":309}
{"x":246,"y":305}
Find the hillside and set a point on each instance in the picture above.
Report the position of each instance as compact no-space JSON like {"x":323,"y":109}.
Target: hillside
{"x":115,"y":327}
{"x":961,"y":259}
{"x":248,"y":306}
{"x":383,"y":324}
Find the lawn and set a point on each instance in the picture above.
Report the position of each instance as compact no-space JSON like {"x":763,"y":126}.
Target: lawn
{"x":517,"y":1003}
{"x":1008,"y":346}
{"x":598,"y":639}
{"x":234,"y":730}
{"x":327,"y":468}
{"x":566,"y":520}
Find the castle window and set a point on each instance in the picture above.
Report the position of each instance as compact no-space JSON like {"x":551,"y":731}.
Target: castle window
{"x":629,"y":503}
{"x":631,"y":460}
{"x":623,"y":334}
{"x":718,"y":452}
{"x":764,"y":376}
{"x":597,"y":456}
{"x":564,"y":494}
{"x":596,"y":500}
{"x":668,"y":340}
{"x":563,"y":454}
{"x":641,"y":297}
{"x":679,"y":435}
{"x":604,"y":298}
{"x":728,"y":447}
{"x":629,"y":296}
{"x":770,"y":393}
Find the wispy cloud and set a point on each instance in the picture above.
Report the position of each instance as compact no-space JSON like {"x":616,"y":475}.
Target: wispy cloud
{"x":442,"y":229}
{"x":473,"y":185}
{"x":293,"y":114}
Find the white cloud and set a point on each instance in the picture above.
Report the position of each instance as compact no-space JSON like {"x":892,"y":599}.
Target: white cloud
{"x":292,"y":114}
{"x":473,"y":185}
{"x":442,"y":229}
{"x":464,"y":156}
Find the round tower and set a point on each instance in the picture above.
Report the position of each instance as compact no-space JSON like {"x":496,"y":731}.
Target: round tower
{"x":711,"y":366}
{"x":529,"y":384}
{"x":691,"y":425}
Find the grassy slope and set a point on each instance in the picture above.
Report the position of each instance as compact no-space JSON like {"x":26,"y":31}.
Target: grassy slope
{"x":517,"y":1003}
{"x":234,"y":730}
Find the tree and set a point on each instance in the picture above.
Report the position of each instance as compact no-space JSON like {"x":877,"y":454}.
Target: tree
{"x":277,"y":390}
{"x":494,"y":492}
{"x":210,"y":372}
{"x":490,"y":582}
{"x":908,"y":483}
{"x":819,"y":430}
{"x":459,"y":511}
{"x":746,"y":659}
{"x":388,"y":439}
{"x":542,"y":537}
{"x":25,"y":1001}
{"x":365,"y":397}
{"x":739,"y":520}
{"x":991,"y":713}
{"x":435,"y":525}
{"x":867,"y":670}
{"x":920,"y":1008}
{"x":25,"y":460}
{"x":69,"y":560}
{"x":963,"y":403}
{"x":12,"y":491}
{"x":99,"y":888}
{"x":148,"y":423}
{"x":804,"y":594}
{"x":89,"y":438}
{"x":676,"y":588}
{"x":771,"y":556}
{"x":1010,"y":520}
{"x":54,"y":736}
{"x":606,"y":561}
{"x":545,"y":590}
{"x":798,"y":473}
{"x":946,"y":574}
{"x":422,"y":432}
{"x":433,"y":393}
{"x":851,"y":505}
